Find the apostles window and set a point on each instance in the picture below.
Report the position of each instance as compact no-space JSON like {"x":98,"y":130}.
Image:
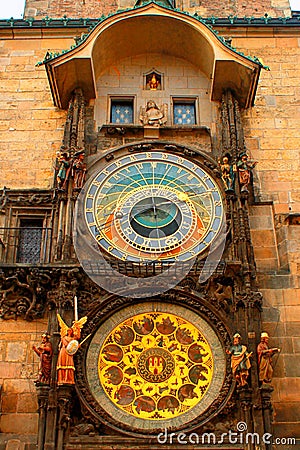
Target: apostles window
{"x":184,"y":111}
{"x":121,"y":110}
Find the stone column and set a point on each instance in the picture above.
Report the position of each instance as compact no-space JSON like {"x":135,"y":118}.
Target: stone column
{"x":43,"y":398}
{"x":64,"y":397}
{"x":266,"y":394}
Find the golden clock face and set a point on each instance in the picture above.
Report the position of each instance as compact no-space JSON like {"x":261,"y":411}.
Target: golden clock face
{"x":155,"y":366}
{"x":153,"y":206}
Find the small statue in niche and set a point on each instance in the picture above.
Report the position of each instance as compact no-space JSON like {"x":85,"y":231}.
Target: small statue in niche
{"x":245,"y":167}
{"x":240,"y":363}
{"x":153,"y":82}
{"x":45,"y":353}
{"x":153,"y":115}
{"x":227,"y":172}
{"x":78,"y":170}
{"x":64,"y":166}
{"x":264,"y":357}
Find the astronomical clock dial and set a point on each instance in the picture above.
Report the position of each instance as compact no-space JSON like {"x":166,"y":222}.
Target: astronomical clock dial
{"x":153,"y":206}
{"x":148,"y":367}
{"x":155,"y":366}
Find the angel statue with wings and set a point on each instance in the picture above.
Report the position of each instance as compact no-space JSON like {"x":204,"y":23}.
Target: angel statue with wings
{"x":68,"y":346}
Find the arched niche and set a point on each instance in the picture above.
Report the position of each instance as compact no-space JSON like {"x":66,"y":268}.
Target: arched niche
{"x":149,"y":29}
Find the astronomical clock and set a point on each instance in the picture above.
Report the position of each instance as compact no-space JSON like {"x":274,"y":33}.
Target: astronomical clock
{"x":156,"y":361}
{"x":153,"y":206}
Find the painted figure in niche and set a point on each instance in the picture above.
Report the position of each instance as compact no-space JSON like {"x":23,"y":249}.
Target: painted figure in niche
{"x":186,"y":392}
{"x":68,"y":346}
{"x":227,"y":173}
{"x":124,"y":336}
{"x":143,"y":326}
{"x":64,"y":166}
{"x":113,"y":353}
{"x":45,"y":353}
{"x":153,"y":82}
{"x":144,"y":403}
{"x":168,"y":403}
{"x":153,"y":115}
{"x":166,"y":326}
{"x":264,"y":356}
{"x":240,"y":363}
{"x":78,"y":170}
{"x":245,"y":167}
{"x":124,"y":395}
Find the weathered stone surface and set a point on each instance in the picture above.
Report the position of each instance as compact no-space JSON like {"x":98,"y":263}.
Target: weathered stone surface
{"x":9,"y":403}
{"x":27,"y":403}
{"x":16,"y":351}
{"x":40,"y":8}
{"x":19,"y":423}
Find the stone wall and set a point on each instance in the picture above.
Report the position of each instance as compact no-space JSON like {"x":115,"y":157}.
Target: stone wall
{"x":95,"y":8}
{"x":18,"y":370}
{"x":31,"y":127}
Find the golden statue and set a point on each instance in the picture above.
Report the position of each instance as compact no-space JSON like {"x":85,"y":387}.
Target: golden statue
{"x":68,"y":346}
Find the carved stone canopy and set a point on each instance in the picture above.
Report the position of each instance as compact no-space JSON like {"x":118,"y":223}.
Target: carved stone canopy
{"x":177,"y":34}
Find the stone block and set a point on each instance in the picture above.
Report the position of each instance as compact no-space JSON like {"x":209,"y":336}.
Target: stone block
{"x":289,"y":389}
{"x":261,"y":222}
{"x":16,"y":351}
{"x":27,"y":403}
{"x":293,"y":313}
{"x":283,"y":413}
{"x":17,"y":386}
{"x":266,"y":265}
{"x":274,"y":328}
{"x":279,"y":368}
{"x":272,"y":297}
{"x":291,"y":297}
{"x":267,"y":253}
{"x":21,"y":424}
{"x":263,"y":238}
{"x":291,"y":368}
{"x":39,"y":85}
{"x":10,"y":369}
{"x":270,"y":314}
{"x":9,"y":403}
{"x":177,"y":82}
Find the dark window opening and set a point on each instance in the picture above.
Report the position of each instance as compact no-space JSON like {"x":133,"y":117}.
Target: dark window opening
{"x":30,"y":241}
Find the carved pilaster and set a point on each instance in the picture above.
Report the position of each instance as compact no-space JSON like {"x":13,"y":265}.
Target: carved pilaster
{"x":64,"y":397}
{"x":43,"y":398}
{"x":245,"y":398}
{"x":267,"y":409}
{"x":70,"y":172}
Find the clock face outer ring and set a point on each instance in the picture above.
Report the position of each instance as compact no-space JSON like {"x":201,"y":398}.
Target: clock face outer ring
{"x":116,"y":191}
{"x":136,"y":422}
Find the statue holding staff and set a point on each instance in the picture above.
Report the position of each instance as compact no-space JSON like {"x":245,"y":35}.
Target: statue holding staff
{"x":264,"y":356}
